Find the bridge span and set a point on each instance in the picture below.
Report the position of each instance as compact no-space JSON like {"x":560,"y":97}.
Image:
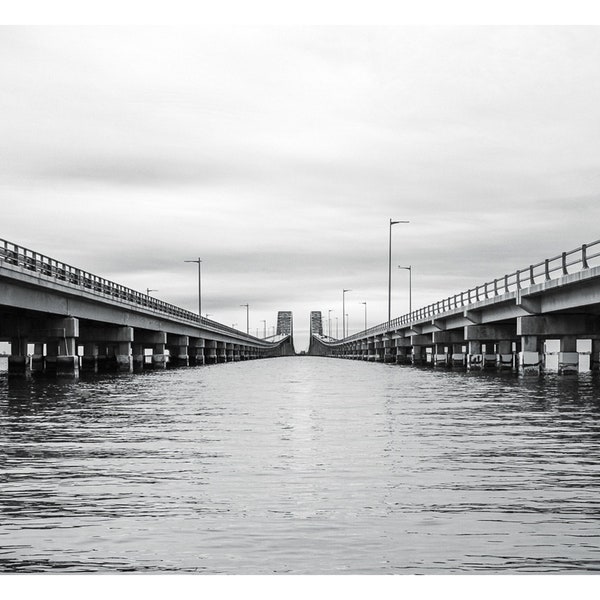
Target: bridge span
{"x":501,"y":324}
{"x":76,"y":321}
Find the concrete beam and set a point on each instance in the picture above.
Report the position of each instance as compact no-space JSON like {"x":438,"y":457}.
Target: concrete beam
{"x":551,"y":325}
{"x":420,"y":340}
{"x":447,"y":337}
{"x":490,"y":333}
{"x":141,"y":336}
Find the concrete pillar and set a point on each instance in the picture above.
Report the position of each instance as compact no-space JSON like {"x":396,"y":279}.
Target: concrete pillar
{"x":221,"y":352}
{"x":137,"y":356}
{"x":440,"y":355}
{"x":474,"y":356}
{"x":62,"y":359}
{"x":418,"y":355}
{"x":504,"y":355}
{"x":124,"y":357}
{"x":178,"y":350}
{"x":568,"y":357}
{"x":89,"y":360}
{"x":489,"y":358}
{"x":38,"y":362}
{"x":595,"y":356}
{"x":403,"y":355}
{"x":159,"y":356}
{"x":530,"y":358}
{"x":18,"y":361}
{"x":458,"y":358}
{"x":229,"y":352}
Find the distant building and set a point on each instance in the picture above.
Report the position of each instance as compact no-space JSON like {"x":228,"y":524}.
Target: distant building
{"x":316,"y":322}
{"x":285,"y":322}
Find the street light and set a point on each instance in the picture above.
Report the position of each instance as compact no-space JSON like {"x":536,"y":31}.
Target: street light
{"x":148,"y":290}
{"x":390,"y":272}
{"x":347,"y":326}
{"x":329,"y":322}
{"x":344,"y":312}
{"x":264,"y":322}
{"x":337,"y":337}
{"x":247,"y":317}
{"x":409,"y":269}
{"x":199,"y":283}
{"x":365,"y":314}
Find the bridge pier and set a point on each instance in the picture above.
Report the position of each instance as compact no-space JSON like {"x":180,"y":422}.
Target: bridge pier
{"x":568,"y":357}
{"x":19,"y":364}
{"x":89,"y":360}
{"x":178,"y":350}
{"x":458,"y":358}
{"x":530,"y":357}
{"x":62,"y":359}
{"x":595,"y":356}
{"x":137,"y":356}
{"x":474,"y":357}
{"x":504,"y":357}
{"x":38,"y":362}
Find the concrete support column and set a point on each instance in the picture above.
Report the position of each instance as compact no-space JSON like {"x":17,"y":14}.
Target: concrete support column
{"x":178,"y":350}
{"x":65,"y":361}
{"x":402,"y":355}
{"x":229,"y":352}
{"x":595,"y":356}
{"x":504,"y":355}
{"x":38,"y":362}
{"x":124,"y":357}
{"x":489,"y":355}
{"x":418,"y":356}
{"x":440,"y":355}
{"x":568,"y":357}
{"x":221,"y":352}
{"x":530,"y":358}
{"x":159,"y":356}
{"x":18,"y":361}
{"x":474,"y":356}
{"x":89,"y":360}
{"x":458,"y":358}
{"x":137,"y":352}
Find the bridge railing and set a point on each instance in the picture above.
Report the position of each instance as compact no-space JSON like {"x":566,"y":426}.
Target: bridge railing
{"x":19,"y":256}
{"x":579,"y":259}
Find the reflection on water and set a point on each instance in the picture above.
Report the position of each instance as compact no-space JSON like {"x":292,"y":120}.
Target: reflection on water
{"x":301,"y":465}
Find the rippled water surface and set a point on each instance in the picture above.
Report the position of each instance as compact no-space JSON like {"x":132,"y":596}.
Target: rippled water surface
{"x":301,"y":465}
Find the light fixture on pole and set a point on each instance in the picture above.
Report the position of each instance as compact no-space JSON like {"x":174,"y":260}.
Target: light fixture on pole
{"x":329,"y":322}
{"x":148,"y":290}
{"x":264,"y":322}
{"x":337,"y":337}
{"x":390,"y":271}
{"x":365,"y":314}
{"x":199,"y":262}
{"x":409,"y":269}
{"x":347,"y":326}
{"x":344,"y":312}
{"x":247,"y":317}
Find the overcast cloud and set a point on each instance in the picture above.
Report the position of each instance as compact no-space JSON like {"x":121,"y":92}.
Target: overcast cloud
{"x":278,"y":155}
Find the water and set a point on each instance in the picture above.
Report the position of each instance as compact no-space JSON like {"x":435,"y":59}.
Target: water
{"x":301,"y":465}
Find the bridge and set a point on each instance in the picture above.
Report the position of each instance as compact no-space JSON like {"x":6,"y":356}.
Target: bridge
{"x":501,"y":324}
{"x":76,"y":321}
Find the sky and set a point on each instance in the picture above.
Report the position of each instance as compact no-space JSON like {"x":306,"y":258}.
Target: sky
{"x":278,"y":154}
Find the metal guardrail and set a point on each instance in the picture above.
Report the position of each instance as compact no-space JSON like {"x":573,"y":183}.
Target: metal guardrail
{"x":15,"y":255}
{"x":546,"y":270}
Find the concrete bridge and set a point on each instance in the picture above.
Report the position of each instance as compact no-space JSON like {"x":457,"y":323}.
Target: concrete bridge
{"x":501,"y":324}
{"x":76,"y":321}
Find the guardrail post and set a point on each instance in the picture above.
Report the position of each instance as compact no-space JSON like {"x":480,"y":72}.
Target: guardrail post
{"x":564,"y":263}
{"x":584,"y":262}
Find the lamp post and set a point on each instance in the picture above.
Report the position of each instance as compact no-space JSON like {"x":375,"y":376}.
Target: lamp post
{"x":148,"y":290}
{"x":365,"y":314}
{"x":347,"y":326}
{"x":329,"y":322}
{"x":264,"y":322}
{"x":199,"y":283}
{"x":344,"y":312}
{"x":409,"y":269}
{"x":247,"y":317}
{"x":390,"y":271}
{"x":337,"y":337}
